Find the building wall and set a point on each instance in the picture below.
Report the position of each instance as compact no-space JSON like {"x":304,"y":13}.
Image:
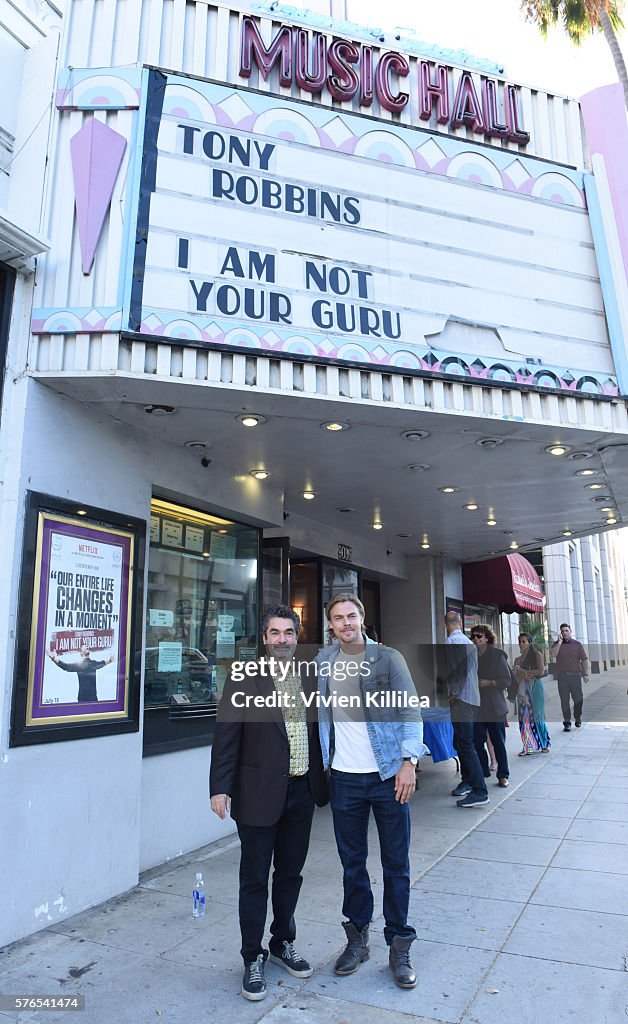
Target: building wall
{"x":105,"y":816}
{"x":585,"y":584}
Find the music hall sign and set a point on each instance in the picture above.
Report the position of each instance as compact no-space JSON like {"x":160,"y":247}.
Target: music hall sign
{"x":346,"y":70}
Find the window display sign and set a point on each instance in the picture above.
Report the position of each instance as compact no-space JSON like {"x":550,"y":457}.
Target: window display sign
{"x":172,"y":534}
{"x":80,"y":650}
{"x":222,"y":546}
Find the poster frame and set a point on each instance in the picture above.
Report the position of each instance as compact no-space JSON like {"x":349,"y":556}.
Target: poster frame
{"x":28,"y":726}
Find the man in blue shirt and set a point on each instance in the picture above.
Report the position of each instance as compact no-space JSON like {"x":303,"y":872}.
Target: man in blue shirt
{"x":461,"y":659}
{"x":373,"y":755}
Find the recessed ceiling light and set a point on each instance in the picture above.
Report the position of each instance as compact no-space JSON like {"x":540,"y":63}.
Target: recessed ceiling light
{"x":489,"y":442}
{"x":335,"y":425}
{"x":260,"y":474}
{"x":578,"y":456}
{"x":611,"y":521}
{"x":223,"y":531}
{"x":595,"y":487}
{"x":415,"y":435}
{"x":309,"y":495}
{"x":205,"y":554}
{"x":251,"y":419}
{"x":81,"y":512}
{"x":557,"y":449}
{"x":403,"y":536}
{"x":607,"y":508}
{"x":377,"y":525}
{"x":491,"y":522}
{"x":448,"y":490}
{"x":472,"y":507}
{"x":567,"y":533}
{"x":425,"y":545}
{"x":196,"y":445}
{"x":586,"y":472}
{"x":345,"y":508}
{"x":159,"y":410}
{"x":417,"y":467}
{"x":514,"y":544}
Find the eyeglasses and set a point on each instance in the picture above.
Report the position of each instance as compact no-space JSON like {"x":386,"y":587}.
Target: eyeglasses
{"x":477,"y":636}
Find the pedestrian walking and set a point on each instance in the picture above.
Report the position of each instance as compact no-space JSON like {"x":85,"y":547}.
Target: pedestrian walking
{"x":572,"y":666}
{"x":494,"y":678}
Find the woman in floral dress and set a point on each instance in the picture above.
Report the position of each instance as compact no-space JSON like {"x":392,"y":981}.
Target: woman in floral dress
{"x":529,"y":669}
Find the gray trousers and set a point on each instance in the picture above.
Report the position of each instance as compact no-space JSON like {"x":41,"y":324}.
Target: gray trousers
{"x":570,"y":685}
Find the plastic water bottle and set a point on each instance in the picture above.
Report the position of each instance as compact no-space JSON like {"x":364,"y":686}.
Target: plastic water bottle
{"x":198,"y":896}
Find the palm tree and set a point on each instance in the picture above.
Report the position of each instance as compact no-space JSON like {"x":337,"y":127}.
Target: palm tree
{"x":579,"y":18}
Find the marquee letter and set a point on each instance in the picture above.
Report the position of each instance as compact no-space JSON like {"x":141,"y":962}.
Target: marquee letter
{"x":366,"y":76}
{"x":252,"y":45}
{"x":493,"y":126}
{"x":517,"y":133}
{"x":433,"y":92}
{"x":343,"y":82}
{"x":467,"y":109}
{"x":391,"y":62}
{"x":315,"y":80}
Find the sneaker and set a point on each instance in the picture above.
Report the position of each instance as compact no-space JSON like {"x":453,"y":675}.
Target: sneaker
{"x":290,"y":960}
{"x":470,"y":800}
{"x":461,"y":789}
{"x":253,"y":982}
{"x":578,"y":723}
{"x":502,"y":783}
{"x":566,"y":727}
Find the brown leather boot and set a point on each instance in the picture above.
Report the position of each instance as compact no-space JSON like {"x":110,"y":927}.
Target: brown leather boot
{"x":399,"y":962}
{"x":355,"y":952}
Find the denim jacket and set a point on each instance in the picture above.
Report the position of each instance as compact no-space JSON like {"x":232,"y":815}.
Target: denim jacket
{"x":394,"y":733}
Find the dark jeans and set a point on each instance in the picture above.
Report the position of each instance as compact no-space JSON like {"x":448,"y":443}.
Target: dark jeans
{"x":352,"y":796}
{"x":286,"y":845}
{"x":570,"y":685}
{"x":497,"y":732}
{"x":462,"y":715}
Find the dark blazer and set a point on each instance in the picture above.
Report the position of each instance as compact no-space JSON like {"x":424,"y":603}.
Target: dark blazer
{"x":493,"y":665}
{"x":251,"y":753}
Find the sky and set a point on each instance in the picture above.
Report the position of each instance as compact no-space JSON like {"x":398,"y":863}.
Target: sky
{"x":497,"y":31}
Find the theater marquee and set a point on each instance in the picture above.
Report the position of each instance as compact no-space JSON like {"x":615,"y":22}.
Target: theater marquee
{"x":270,"y":224}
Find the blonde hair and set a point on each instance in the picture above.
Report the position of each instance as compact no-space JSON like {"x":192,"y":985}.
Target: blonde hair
{"x":339,"y":598}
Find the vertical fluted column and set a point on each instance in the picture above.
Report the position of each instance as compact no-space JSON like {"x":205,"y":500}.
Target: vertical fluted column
{"x":557,"y":572}
{"x":590,"y":561}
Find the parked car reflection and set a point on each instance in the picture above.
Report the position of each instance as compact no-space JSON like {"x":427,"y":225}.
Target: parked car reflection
{"x":196,"y":677}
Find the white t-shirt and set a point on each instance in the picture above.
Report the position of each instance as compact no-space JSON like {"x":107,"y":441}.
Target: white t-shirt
{"x":352,"y":747}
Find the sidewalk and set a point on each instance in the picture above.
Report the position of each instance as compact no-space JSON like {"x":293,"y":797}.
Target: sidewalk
{"x":521,"y":910}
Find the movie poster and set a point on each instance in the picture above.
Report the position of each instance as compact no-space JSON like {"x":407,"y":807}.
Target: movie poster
{"x":79,"y":661}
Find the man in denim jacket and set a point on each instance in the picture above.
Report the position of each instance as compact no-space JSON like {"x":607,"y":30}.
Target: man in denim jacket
{"x":371,"y":739}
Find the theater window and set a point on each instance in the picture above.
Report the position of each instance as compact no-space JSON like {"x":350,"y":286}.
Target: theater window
{"x":201,"y":614}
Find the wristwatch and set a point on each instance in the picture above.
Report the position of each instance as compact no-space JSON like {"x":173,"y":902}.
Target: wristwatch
{"x":413,"y":761}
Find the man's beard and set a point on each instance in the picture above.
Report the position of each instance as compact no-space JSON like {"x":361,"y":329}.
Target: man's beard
{"x":281,"y":652}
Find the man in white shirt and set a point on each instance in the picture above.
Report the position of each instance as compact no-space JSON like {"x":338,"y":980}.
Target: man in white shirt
{"x":372,"y":747}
